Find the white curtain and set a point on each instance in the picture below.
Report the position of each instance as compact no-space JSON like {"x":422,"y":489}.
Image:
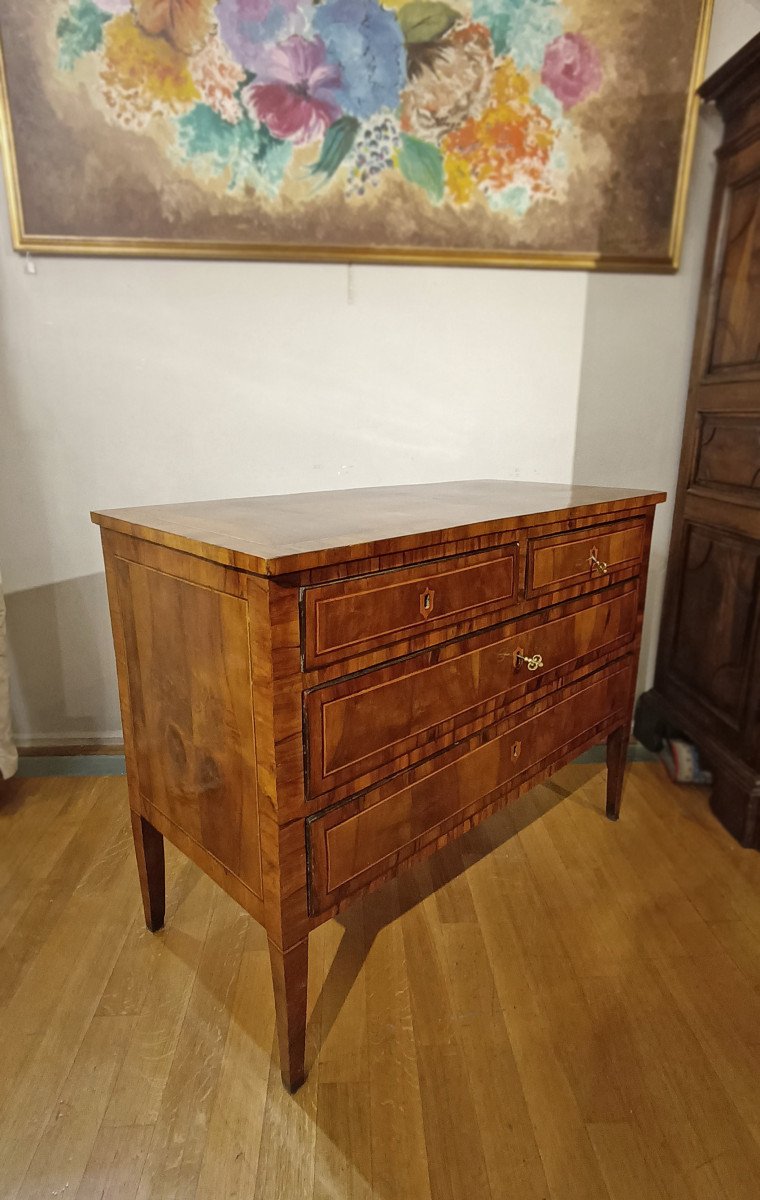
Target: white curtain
{"x":8,"y":755}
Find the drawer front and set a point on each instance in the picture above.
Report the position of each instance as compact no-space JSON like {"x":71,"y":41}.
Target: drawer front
{"x":362,"y":729}
{"x":357,"y":615}
{"x":568,"y":559}
{"x":352,"y":845}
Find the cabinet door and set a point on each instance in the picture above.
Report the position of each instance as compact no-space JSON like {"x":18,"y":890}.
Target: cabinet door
{"x":716,"y":614}
{"x":709,"y":643}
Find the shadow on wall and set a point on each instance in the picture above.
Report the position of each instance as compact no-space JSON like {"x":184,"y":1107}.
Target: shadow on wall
{"x":63,"y":675}
{"x":63,"y":672}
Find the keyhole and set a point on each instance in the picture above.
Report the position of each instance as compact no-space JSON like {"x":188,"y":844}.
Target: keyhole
{"x":426,"y":602}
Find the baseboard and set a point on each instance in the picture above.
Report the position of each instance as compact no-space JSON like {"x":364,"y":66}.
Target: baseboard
{"x":107,"y":748}
{"x":53,"y":746}
{"x":37,"y":765}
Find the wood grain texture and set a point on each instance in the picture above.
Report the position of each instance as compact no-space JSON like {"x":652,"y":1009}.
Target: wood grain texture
{"x":720,"y":578}
{"x":708,"y":661}
{"x":345,"y":619}
{"x":564,"y":559}
{"x":360,"y":730}
{"x":274,"y":535}
{"x":149,"y":852}
{"x":728,"y":455}
{"x":277,"y":699}
{"x":735,"y":342}
{"x":430,"y":636}
{"x":290,"y":972}
{"x":617,"y":750}
{"x":189,"y":677}
{"x":352,"y":843}
{"x":563,"y":1009}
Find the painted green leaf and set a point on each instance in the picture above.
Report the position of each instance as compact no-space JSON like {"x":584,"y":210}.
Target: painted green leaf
{"x":422,"y":164}
{"x":247,"y":152}
{"x":79,"y":32}
{"x":425,"y":20}
{"x":338,"y":141}
{"x":520,"y":30}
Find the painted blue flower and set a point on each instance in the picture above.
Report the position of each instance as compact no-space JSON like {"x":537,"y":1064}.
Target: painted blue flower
{"x":366,"y":42}
{"x":520,"y":28}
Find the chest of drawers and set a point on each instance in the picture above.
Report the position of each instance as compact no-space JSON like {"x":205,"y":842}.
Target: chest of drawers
{"x":318,"y":690}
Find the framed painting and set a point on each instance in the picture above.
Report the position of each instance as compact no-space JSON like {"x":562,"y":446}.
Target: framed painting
{"x":495,"y":132}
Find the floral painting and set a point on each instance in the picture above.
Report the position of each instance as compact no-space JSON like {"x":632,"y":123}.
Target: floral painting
{"x":422,"y":130}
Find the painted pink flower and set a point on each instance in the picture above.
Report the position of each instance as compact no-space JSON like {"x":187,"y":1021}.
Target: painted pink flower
{"x":294,"y":93}
{"x":571,"y":69}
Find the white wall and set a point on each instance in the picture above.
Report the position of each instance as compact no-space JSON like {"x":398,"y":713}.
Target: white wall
{"x":126,"y":382}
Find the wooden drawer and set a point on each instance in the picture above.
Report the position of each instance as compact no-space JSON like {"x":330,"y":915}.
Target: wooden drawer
{"x":363,"y":728}
{"x":356,"y":615}
{"x":360,"y":841}
{"x":567,"y":559}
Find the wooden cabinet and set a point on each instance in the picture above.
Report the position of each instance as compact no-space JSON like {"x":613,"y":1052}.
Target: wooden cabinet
{"x":319,"y":690}
{"x":707,"y":682}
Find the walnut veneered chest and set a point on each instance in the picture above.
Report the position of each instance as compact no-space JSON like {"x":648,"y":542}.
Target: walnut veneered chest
{"x":317,"y":690}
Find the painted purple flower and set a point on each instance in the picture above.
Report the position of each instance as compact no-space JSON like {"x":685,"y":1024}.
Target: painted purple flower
{"x":295,"y":90}
{"x":246,"y":25}
{"x":571,"y":69}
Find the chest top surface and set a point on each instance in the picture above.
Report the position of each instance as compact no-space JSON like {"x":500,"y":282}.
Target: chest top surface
{"x":274,"y":535}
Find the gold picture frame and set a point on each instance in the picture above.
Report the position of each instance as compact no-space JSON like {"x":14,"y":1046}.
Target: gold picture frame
{"x":172,"y":197}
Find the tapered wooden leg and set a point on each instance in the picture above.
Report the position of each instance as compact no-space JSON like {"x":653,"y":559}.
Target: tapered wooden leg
{"x":149,"y":851}
{"x":290,"y":969}
{"x":617,"y":756}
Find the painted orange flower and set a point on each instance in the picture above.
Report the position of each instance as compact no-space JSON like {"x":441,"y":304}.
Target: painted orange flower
{"x":217,"y":77}
{"x":143,"y":75}
{"x":510,"y":142}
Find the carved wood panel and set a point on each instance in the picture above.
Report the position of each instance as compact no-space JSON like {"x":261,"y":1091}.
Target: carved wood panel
{"x":728,"y":455}
{"x":720,"y":577}
{"x":736,"y":336}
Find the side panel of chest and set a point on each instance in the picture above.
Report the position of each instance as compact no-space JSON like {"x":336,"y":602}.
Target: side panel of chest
{"x":188,"y":683}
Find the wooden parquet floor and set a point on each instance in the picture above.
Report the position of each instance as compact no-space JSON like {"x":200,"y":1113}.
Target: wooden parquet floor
{"x":555,"y":1008}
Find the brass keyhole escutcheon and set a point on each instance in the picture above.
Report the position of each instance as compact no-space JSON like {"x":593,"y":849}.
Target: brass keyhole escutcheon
{"x":516,"y":750}
{"x":427,"y":600}
{"x":532,"y":662}
{"x":596,"y":563}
